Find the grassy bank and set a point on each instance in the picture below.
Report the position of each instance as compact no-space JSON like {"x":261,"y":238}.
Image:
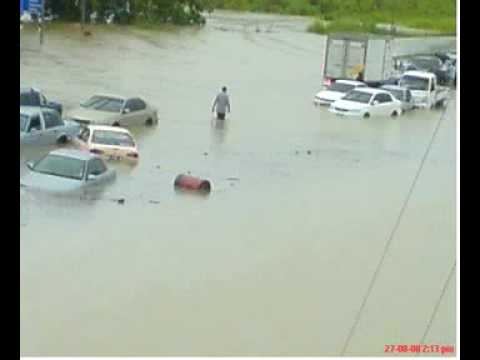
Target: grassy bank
{"x":366,"y":23}
{"x":358,"y":15}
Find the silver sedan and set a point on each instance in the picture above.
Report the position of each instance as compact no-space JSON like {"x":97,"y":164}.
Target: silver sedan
{"x":113,"y":110}
{"x":67,"y":171}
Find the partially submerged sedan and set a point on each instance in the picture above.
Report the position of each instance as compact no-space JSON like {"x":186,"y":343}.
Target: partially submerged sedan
{"x":403,"y":94}
{"x":114,"y":110}
{"x":111,"y":143}
{"x":336,"y":91}
{"x":42,"y":126}
{"x":67,"y":171}
{"x":366,"y":102}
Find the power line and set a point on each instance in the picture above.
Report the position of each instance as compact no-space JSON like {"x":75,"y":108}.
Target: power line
{"x":437,"y":305}
{"x":392,"y":233}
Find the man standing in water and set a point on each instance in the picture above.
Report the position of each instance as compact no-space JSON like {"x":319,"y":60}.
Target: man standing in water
{"x":221,"y":103}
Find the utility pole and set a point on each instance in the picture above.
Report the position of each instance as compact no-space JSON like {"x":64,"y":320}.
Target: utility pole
{"x":42,"y":22}
{"x":84,"y":10}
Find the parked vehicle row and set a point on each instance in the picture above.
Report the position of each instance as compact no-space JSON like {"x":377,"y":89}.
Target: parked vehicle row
{"x":96,"y":130}
{"x":413,"y":89}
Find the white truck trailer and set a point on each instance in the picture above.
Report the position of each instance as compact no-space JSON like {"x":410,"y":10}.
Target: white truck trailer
{"x":372,"y":58}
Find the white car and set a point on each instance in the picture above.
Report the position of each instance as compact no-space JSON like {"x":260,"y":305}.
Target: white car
{"x":110,"y":143}
{"x":114,"y":110}
{"x":366,"y":102}
{"x":336,"y":91}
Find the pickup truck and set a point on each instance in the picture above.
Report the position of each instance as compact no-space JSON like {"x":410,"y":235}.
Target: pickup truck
{"x":34,"y":98}
{"x":45,"y":127}
{"x":425,"y":90}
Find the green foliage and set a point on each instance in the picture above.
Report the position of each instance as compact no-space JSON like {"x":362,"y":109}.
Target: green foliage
{"x":342,"y":15}
{"x":180,"y":12}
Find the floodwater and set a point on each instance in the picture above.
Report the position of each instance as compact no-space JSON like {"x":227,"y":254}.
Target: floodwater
{"x":278,"y":258}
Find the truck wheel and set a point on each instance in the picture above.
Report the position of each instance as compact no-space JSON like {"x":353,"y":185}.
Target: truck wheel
{"x":116,"y":123}
{"x":394,"y":113}
{"x":366,"y":115}
{"x":149,"y":122}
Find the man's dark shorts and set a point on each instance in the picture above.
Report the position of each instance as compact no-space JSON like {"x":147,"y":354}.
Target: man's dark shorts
{"x":220,"y":116}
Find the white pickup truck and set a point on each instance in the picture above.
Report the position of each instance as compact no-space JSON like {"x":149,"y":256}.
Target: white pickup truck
{"x":425,"y":90}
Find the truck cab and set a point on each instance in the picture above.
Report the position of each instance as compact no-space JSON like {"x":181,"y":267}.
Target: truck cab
{"x":424,"y":87}
{"x":35,"y":98}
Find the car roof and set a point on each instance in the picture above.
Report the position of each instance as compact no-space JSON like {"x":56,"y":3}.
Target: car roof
{"x":28,"y":89}
{"x":119,"y":97}
{"x":74,"y":154}
{"x":372,"y":91}
{"x":419,"y":73}
{"x":393,"y":87}
{"x":108,"y":128}
{"x":32,"y":110}
{"x":350,"y":82}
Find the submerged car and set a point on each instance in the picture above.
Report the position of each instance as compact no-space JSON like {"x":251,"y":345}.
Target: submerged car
{"x":403,"y":94}
{"x":35,"y":98}
{"x":366,"y":102}
{"x":67,"y":171}
{"x":114,"y":110}
{"x":336,"y":91}
{"x":111,"y":143}
{"x":39,"y":126}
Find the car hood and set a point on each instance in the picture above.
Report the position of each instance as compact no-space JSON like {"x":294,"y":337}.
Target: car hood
{"x":330,"y":95}
{"x":349,"y":105}
{"x":94,"y":116}
{"x":49,"y":183}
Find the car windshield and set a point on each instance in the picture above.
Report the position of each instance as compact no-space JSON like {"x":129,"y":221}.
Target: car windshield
{"x":358,"y":96}
{"x":23,"y":122}
{"x":61,"y":166}
{"x":104,"y":103}
{"x":339,"y":87}
{"x":414,"y":83}
{"x":113,"y":138}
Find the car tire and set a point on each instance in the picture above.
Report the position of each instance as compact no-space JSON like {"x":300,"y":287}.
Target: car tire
{"x":366,"y":115}
{"x":149,"y":122}
{"x":62,"y":140}
{"x":394,"y":114}
{"x":116,"y":123}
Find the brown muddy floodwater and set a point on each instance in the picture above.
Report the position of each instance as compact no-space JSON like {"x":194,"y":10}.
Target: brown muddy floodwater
{"x":277,"y":260}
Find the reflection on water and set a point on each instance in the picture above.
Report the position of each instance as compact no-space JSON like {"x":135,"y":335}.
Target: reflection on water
{"x":219,"y":130}
{"x":276,"y":259}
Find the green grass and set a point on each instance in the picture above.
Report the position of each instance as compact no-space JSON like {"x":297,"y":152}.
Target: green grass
{"x":367,"y":23}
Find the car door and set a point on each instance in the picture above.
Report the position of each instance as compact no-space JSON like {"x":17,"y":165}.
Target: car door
{"x":376,"y":105}
{"x":135,"y":112}
{"x":389,"y":105}
{"x":97,"y":173}
{"x":34,"y":130}
{"x":54,"y":126}
{"x":82,"y":140}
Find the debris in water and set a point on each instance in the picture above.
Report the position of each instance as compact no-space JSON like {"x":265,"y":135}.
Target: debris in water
{"x":188,"y":182}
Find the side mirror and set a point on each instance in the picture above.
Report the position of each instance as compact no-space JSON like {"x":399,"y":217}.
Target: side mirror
{"x":126,"y":111}
{"x":375,"y":102}
{"x":30,"y":165}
